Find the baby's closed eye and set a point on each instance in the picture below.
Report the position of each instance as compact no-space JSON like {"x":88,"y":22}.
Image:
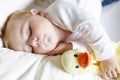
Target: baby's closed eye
{"x":29,"y":31}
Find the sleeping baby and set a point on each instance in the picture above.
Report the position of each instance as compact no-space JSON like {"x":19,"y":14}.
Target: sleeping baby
{"x":63,"y":26}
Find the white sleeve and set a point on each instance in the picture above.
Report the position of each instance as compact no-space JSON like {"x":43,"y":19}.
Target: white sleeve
{"x":69,"y":16}
{"x":66,"y":13}
{"x":94,"y":7}
{"x":77,"y":45}
{"x":80,"y":45}
{"x":97,"y":39}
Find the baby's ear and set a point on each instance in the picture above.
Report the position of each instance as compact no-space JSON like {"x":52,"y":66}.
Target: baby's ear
{"x":37,"y":12}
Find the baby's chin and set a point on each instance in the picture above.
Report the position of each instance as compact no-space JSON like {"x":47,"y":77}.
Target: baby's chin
{"x":46,"y":52}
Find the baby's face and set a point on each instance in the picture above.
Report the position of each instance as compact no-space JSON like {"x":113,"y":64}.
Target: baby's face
{"x":34,"y":34}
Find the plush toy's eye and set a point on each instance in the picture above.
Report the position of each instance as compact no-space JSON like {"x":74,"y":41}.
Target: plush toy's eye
{"x":76,"y":66}
{"x":75,"y":55}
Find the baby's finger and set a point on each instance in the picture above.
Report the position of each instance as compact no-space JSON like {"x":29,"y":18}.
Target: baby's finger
{"x":104,"y":76}
{"x":114,"y":73}
{"x":109,"y":74}
{"x":118,"y":70}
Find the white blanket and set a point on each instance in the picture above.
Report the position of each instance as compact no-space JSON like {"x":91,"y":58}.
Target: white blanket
{"x":26,"y":66}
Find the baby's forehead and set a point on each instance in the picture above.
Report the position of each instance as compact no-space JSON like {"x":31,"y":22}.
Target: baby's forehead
{"x":12,"y":32}
{"x":15,"y":22}
{"x":12,"y":25}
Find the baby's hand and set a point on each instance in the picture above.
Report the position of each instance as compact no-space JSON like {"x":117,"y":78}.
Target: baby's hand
{"x":61,"y":47}
{"x":110,"y":68}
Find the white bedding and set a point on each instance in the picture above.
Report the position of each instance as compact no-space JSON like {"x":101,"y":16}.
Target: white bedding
{"x":111,"y":20}
{"x":16,"y":65}
{"x":27,"y":66}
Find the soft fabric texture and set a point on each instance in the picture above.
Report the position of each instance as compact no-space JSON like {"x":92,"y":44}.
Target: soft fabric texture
{"x":27,"y":66}
{"x":111,"y":20}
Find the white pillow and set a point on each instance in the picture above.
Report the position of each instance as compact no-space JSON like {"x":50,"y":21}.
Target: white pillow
{"x":111,"y":20}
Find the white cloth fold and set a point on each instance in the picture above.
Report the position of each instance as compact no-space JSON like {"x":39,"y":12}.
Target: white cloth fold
{"x":16,"y":65}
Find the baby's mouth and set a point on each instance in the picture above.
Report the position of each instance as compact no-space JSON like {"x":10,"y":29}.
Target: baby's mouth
{"x":44,"y":43}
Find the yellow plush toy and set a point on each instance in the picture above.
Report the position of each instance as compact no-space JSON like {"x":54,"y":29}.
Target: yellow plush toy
{"x":77,"y":62}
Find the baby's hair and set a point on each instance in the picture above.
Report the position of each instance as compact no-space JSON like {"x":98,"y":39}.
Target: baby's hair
{"x":10,"y":21}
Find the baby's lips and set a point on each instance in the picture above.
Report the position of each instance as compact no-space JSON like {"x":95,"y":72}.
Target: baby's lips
{"x":84,"y":59}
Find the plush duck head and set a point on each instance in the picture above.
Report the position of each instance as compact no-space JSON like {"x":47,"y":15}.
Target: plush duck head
{"x":77,"y":61}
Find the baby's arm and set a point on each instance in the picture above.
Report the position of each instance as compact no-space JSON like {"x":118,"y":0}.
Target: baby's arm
{"x":110,"y":68}
{"x":61,"y":47}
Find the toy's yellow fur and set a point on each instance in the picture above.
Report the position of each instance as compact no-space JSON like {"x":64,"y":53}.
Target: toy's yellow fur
{"x":69,"y":62}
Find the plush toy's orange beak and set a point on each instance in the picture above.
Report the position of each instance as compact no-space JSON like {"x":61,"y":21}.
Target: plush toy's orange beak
{"x":84,"y":59}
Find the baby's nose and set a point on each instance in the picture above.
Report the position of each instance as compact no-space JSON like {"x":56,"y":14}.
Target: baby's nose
{"x":33,"y":41}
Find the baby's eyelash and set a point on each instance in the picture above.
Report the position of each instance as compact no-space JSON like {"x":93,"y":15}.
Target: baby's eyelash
{"x":30,"y":31}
